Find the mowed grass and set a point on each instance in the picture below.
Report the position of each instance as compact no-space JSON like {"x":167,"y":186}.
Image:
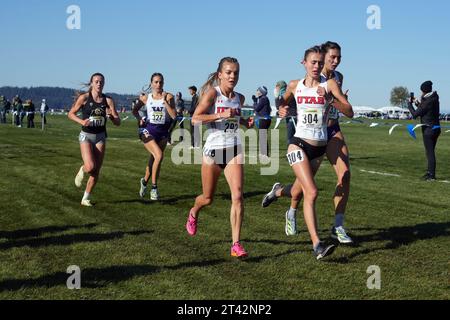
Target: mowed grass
{"x":129,"y":248}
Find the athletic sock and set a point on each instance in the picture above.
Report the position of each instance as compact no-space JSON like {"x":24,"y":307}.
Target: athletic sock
{"x":286,"y":191}
{"x":154,"y":186}
{"x":86,"y":196}
{"x":316,"y":246}
{"x":292,"y":213}
{"x":339,"y":222}
{"x":144,"y":182}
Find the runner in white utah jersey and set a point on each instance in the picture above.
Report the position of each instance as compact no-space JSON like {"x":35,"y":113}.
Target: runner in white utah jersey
{"x":337,"y":151}
{"x":220,"y":109}
{"x":310,"y":140}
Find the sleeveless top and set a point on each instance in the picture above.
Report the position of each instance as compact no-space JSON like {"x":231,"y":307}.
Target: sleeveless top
{"x":96,"y":113}
{"x":157,"y":115}
{"x":312,"y":112}
{"x":223,"y":133}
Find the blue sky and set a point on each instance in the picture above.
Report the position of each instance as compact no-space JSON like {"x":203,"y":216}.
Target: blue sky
{"x":184,"y":40}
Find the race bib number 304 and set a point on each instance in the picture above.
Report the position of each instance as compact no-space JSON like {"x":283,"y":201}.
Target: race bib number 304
{"x":295,"y":157}
{"x":311,"y":118}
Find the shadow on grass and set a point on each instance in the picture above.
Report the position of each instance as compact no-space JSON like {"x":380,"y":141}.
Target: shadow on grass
{"x":102,"y":277}
{"x":174,"y":200}
{"x":268,"y":241}
{"x":353,"y":159}
{"x":162,"y":201}
{"x":247,"y":195}
{"x":70,"y":239}
{"x":28,"y":233}
{"x":396,"y":237}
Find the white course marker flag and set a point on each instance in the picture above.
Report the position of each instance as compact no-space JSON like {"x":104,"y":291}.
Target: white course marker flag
{"x":277,"y":123}
{"x":418,"y":126}
{"x":393,"y":127}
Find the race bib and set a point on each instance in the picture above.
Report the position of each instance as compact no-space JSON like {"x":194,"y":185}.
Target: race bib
{"x":158,"y":117}
{"x":96,"y":121}
{"x":230,"y":125}
{"x":295,"y":157}
{"x":211,"y":153}
{"x":311,"y":118}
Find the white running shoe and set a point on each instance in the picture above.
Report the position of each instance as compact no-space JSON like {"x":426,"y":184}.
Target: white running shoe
{"x":291,"y":225}
{"x":143,"y":189}
{"x":86,"y":203}
{"x":340,"y":234}
{"x":79,"y":177}
{"x":154,"y":194}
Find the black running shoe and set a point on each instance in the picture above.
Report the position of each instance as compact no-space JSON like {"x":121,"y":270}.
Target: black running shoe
{"x":322,"y":250}
{"x":271,"y":197}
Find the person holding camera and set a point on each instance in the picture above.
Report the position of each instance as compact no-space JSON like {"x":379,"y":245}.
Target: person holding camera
{"x":428,"y":111}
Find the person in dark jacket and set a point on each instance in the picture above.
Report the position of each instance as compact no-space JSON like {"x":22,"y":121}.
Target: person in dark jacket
{"x":179,"y":108}
{"x":428,"y":111}
{"x":2,"y":109}
{"x":261,"y":105}
{"x":29,"y":109}
{"x":195,"y":130}
{"x":291,"y":118}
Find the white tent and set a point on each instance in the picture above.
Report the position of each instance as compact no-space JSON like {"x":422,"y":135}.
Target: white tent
{"x":394,"y":112}
{"x":363,"y":111}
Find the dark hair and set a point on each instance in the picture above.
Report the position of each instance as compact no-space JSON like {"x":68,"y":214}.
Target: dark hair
{"x":148,"y":88}
{"x":80,"y":92}
{"x":213,"y":77}
{"x":329,"y":45}
{"x":315,"y":49}
{"x":97,"y":74}
{"x":157,"y":74}
{"x":194,"y":88}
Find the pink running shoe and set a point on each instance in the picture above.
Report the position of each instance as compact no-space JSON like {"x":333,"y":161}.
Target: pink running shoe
{"x":237,"y":250}
{"x":191,"y":225}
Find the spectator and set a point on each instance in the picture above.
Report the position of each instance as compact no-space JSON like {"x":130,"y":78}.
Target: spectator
{"x":29,"y":110}
{"x":195,"y":129}
{"x":2,"y":109}
{"x":428,"y":111}
{"x":261,"y":105}
{"x":280,"y":89}
{"x":18,"y":111}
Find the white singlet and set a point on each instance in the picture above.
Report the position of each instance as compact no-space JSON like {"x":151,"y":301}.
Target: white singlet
{"x":156,"y":111}
{"x":224,"y":133}
{"x":312,"y":112}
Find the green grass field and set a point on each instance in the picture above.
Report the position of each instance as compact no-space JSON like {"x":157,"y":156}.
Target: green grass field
{"x":128,"y":248}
